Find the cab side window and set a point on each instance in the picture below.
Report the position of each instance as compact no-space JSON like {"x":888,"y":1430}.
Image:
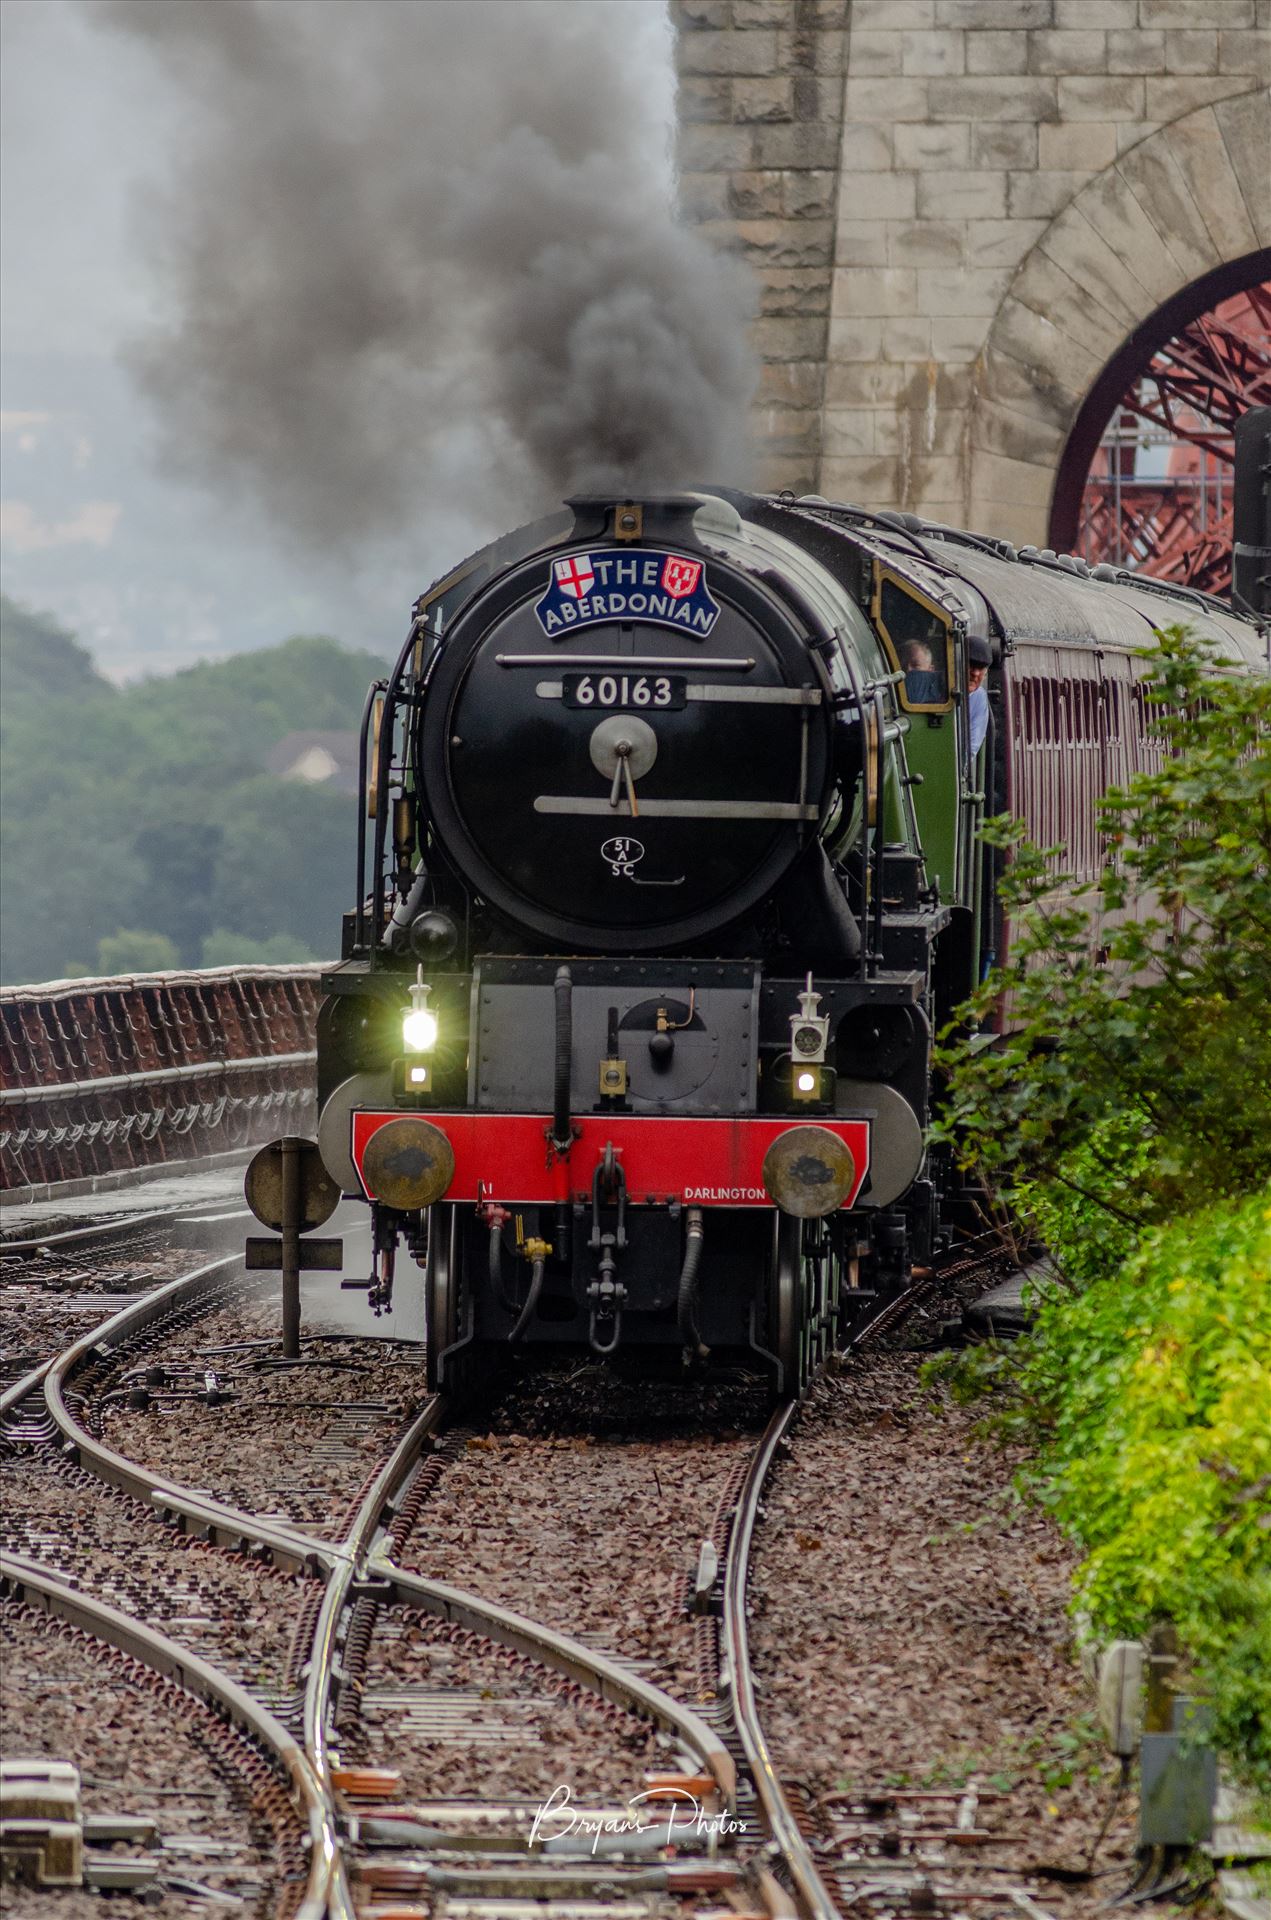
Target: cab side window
{"x":919,"y":639}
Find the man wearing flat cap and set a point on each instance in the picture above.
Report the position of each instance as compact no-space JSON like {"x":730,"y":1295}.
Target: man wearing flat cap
{"x":979,"y":659}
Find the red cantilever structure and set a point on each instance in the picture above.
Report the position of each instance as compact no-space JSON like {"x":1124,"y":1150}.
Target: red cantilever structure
{"x":1158,"y":495}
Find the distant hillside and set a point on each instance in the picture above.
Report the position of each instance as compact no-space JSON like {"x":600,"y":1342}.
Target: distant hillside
{"x":38,"y":659}
{"x":144,"y":814}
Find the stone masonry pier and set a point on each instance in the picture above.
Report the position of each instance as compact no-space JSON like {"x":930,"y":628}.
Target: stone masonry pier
{"x":959,"y":212}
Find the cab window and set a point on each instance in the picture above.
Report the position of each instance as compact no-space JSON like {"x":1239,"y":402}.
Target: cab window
{"x":918,"y":638}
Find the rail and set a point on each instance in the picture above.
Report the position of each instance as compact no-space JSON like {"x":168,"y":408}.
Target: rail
{"x":811,"y":1895}
{"x":364,"y":1567}
{"x":39,"y":1586}
{"x":324,"y":1663}
{"x":354,"y":1567}
{"x":115,"y":1076}
{"x":196,"y":1513}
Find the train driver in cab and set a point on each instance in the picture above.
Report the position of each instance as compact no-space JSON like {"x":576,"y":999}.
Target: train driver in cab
{"x":924,"y":682}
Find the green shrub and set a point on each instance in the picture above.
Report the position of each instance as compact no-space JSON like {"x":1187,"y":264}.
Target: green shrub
{"x":1153,"y":1388}
{"x":1084,"y":1207}
{"x":1124,"y":1118}
{"x":221,"y":948}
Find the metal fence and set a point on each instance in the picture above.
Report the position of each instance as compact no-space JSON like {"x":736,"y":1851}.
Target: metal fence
{"x":100,"y":1077}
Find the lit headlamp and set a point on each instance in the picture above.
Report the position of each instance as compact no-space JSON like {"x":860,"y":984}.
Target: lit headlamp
{"x":419,"y":1022}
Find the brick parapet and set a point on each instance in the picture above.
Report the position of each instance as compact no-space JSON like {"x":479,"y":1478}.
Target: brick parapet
{"x":142,"y":1070}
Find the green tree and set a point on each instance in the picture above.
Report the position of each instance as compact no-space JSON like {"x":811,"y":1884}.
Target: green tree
{"x":122,"y":805}
{"x":213,"y":724}
{"x":67,"y":871}
{"x":38,"y":656}
{"x":134,"y":950}
{"x":286,"y":861}
{"x":180,"y":860}
{"x":225,"y":949}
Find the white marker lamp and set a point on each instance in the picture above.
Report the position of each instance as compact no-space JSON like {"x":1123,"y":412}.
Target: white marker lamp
{"x":419,"y":1022}
{"x":810,"y":1077}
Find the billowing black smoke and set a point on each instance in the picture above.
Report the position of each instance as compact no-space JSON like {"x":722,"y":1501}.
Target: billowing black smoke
{"x":423,"y":253}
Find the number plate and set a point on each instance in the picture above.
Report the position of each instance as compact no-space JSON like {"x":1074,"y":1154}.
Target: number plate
{"x":654,"y":692}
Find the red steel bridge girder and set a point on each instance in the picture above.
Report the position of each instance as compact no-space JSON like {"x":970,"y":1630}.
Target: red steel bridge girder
{"x":1156,"y":442}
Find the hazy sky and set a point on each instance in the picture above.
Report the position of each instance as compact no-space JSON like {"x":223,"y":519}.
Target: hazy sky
{"x":155,"y":561}
{"x":149,"y":575}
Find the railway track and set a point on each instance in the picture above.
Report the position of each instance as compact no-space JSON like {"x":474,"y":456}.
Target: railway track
{"x":275,"y":1775}
{"x":54,"y":1286}
{"x":454,"y":1845}
{"x":348,"y":1599}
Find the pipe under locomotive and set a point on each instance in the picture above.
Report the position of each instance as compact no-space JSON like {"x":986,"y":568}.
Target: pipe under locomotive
{"x":673,"y":869}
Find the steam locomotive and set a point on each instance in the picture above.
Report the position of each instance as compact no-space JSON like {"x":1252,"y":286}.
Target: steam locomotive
{"x":668,"y":871}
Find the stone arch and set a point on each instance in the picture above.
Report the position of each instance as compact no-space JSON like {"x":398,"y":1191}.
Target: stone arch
{"x":1183,"y":205}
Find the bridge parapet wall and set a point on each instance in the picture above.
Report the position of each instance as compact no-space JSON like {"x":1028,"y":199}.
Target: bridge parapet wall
{"x":99,"y":1077}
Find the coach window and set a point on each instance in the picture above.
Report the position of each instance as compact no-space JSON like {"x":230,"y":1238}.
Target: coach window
{"x":918,"y":636}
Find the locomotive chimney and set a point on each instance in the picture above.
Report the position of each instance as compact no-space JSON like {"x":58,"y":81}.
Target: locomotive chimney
{"x":665,"y":518}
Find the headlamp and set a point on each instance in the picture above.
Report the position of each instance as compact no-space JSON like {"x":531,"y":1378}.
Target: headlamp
{"x":811,"y":1084}
{"x":419,"y":1022}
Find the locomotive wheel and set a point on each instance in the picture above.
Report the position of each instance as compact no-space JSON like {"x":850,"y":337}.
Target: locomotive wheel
{"x":441,"y":1288}
{"x":790,"y":1330}
{"x":816,"y":1271}
{"x":823,"y":1264}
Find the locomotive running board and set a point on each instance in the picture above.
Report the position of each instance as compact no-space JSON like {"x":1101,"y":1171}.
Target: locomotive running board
{"x":701,"y":1162}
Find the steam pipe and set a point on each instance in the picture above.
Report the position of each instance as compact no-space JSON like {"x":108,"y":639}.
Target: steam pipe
{"x":498,"y":1287}
{"x":686,"y":1305}
{"x":562,"y":1132}
{"x":376,"y":686}
{"x":858,"y":695}
{"x":496,"y":1259}
{"x":531,"y":1301}
{"x":392,"y":694}
{"x":880,"y":824}
{"x":382,"y":770}
{"x":404,"y":912}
